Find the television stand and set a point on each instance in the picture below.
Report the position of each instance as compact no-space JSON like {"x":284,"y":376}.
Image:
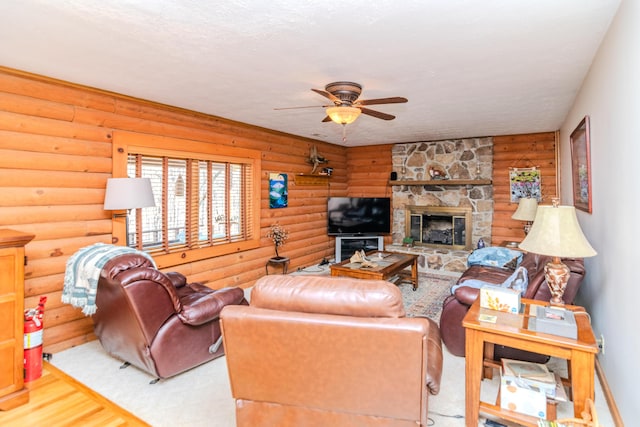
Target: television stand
{"x":346,"y":246}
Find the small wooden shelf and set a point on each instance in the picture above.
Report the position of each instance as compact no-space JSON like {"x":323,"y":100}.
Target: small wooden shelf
{"x":444,"y":182}
{"x":308,"y":179}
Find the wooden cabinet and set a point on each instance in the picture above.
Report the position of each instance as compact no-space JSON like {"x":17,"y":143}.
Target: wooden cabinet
{"x":12,"y":260}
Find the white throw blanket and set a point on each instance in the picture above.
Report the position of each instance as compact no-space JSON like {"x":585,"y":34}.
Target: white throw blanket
{"x":83,"y":271}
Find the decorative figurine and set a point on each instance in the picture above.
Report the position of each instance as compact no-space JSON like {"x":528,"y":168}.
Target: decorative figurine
{"x":315,"y":159}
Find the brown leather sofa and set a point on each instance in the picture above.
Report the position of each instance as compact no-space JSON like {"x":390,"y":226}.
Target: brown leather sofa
{"x":329,"y":351}
{"x":155,"y":321}
{"x":456,"y":306}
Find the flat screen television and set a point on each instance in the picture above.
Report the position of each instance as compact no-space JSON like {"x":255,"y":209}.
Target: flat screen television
{"x":356,"y":216}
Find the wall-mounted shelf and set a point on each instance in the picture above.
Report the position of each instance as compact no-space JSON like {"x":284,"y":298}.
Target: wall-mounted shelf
{"x":307,"y":179}
{"x":444,"y":182}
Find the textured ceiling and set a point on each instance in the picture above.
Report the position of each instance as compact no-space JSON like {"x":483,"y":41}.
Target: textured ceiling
{"x":468,"y":68}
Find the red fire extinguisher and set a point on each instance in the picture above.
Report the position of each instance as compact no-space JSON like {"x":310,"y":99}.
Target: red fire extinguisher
{"x":33,"y":341}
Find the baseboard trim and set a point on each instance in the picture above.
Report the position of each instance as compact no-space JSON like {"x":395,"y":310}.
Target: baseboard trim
{"x":608,"y":395}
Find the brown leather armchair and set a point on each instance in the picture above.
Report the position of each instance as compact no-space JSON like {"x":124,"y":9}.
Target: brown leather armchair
{"x":456,"y":306}
{"x":155,"y":321}
{"x":328,"y":351}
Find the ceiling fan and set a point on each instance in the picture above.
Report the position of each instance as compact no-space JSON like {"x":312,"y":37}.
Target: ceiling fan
{"x":346,"y":106}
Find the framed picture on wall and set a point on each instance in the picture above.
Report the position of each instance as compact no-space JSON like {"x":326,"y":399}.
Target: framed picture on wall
{"x":581,"y":166}
{"x":525,"y":182}
{"x":278,"y":190}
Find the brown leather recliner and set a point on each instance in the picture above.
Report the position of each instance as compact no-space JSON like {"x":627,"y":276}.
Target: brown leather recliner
{"x":329,"y":351}
{"x":456,"y":306}
{"x":155,"y":321}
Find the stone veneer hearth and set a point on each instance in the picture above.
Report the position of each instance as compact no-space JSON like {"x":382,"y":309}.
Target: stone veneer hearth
{"x":459,"y":159}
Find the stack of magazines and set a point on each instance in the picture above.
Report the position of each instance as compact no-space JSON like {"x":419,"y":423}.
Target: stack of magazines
{"x":534,"y":376}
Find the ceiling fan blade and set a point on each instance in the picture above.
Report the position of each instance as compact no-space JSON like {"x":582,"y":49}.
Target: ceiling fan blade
{"x":326,"y":119}
{"x":391,"y":100}
{"x":328,"y":95}
{"x":377,"y":114}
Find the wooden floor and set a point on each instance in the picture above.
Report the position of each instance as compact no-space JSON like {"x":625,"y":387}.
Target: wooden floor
{"x":57,"y":400}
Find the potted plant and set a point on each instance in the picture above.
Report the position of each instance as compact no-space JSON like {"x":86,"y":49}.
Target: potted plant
{"x":278,"y":235}
{"x":407,"y":241}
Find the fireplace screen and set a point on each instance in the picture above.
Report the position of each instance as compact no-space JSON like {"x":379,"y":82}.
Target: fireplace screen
{"x":440,"y":226}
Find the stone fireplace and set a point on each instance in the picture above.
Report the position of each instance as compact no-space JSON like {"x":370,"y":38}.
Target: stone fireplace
{"x":448,"y":212}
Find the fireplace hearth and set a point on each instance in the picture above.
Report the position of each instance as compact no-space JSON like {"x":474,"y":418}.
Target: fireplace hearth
{"x":440,"y":226}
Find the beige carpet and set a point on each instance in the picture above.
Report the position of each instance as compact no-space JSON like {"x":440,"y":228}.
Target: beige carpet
{"x":202,"y":396}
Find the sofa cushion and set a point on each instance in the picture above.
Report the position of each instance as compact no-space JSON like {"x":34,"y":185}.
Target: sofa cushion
{"x":308,"y":294}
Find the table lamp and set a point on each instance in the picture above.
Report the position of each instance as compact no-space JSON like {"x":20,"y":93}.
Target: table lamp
{"x":128,"y":193}
{"x":556,"y":233}
{"x":526,"y":212}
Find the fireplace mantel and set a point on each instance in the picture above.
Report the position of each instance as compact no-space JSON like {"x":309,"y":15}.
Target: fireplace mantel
{"x":443,"y":182}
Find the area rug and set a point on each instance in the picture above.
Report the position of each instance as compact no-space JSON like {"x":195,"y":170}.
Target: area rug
{"x":427,"y":299}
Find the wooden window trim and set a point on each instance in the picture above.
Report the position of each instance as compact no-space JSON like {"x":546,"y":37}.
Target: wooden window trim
{"x":129,"y":142}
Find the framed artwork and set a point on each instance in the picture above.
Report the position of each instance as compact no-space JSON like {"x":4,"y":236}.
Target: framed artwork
{"x":525,"y":182}
{"x":278,"y":192}
{"x":581,"y":166}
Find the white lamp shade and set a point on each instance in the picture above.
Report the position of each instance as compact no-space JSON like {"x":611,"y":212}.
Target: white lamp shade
{"x":343,"y":115}
{"x":556,"y":232}
{"x":526,"y":209}
{"x":128,"y":193}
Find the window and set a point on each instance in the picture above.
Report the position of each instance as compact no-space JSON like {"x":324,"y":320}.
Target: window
{"x":207,"y":201}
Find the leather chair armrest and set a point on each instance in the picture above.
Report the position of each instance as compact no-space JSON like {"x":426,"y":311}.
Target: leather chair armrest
{"x":199,"y":308}
{"x":177,"y":279}
{"x":467,"y":295}
{"x":434,"y":358}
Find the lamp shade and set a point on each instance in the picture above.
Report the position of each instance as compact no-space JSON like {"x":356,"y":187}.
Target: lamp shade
{"x":343,"y":115}
{"x":128,"y":193}
{"x":556,"y":232}
{"x":526,"y":209}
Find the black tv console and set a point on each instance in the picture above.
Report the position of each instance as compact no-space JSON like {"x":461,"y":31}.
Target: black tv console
{"x":346,"y":246}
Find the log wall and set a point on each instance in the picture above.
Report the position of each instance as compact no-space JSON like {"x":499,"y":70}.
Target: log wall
{"x":520,"y":151}
{"x":55,"y":158}
{"x":368,"y":170}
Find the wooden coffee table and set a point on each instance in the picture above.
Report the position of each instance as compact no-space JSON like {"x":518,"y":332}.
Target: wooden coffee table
{"x":389,"y":264}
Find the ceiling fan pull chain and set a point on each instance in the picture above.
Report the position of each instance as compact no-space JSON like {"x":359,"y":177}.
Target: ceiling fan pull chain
{"x":344,"y":132}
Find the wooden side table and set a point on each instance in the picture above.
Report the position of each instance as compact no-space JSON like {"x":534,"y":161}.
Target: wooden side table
{"x":513,"y":330}
{"x":278,"y":260}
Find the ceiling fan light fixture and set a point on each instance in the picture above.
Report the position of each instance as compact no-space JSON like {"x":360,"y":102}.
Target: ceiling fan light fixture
{"x":343,"y":115}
